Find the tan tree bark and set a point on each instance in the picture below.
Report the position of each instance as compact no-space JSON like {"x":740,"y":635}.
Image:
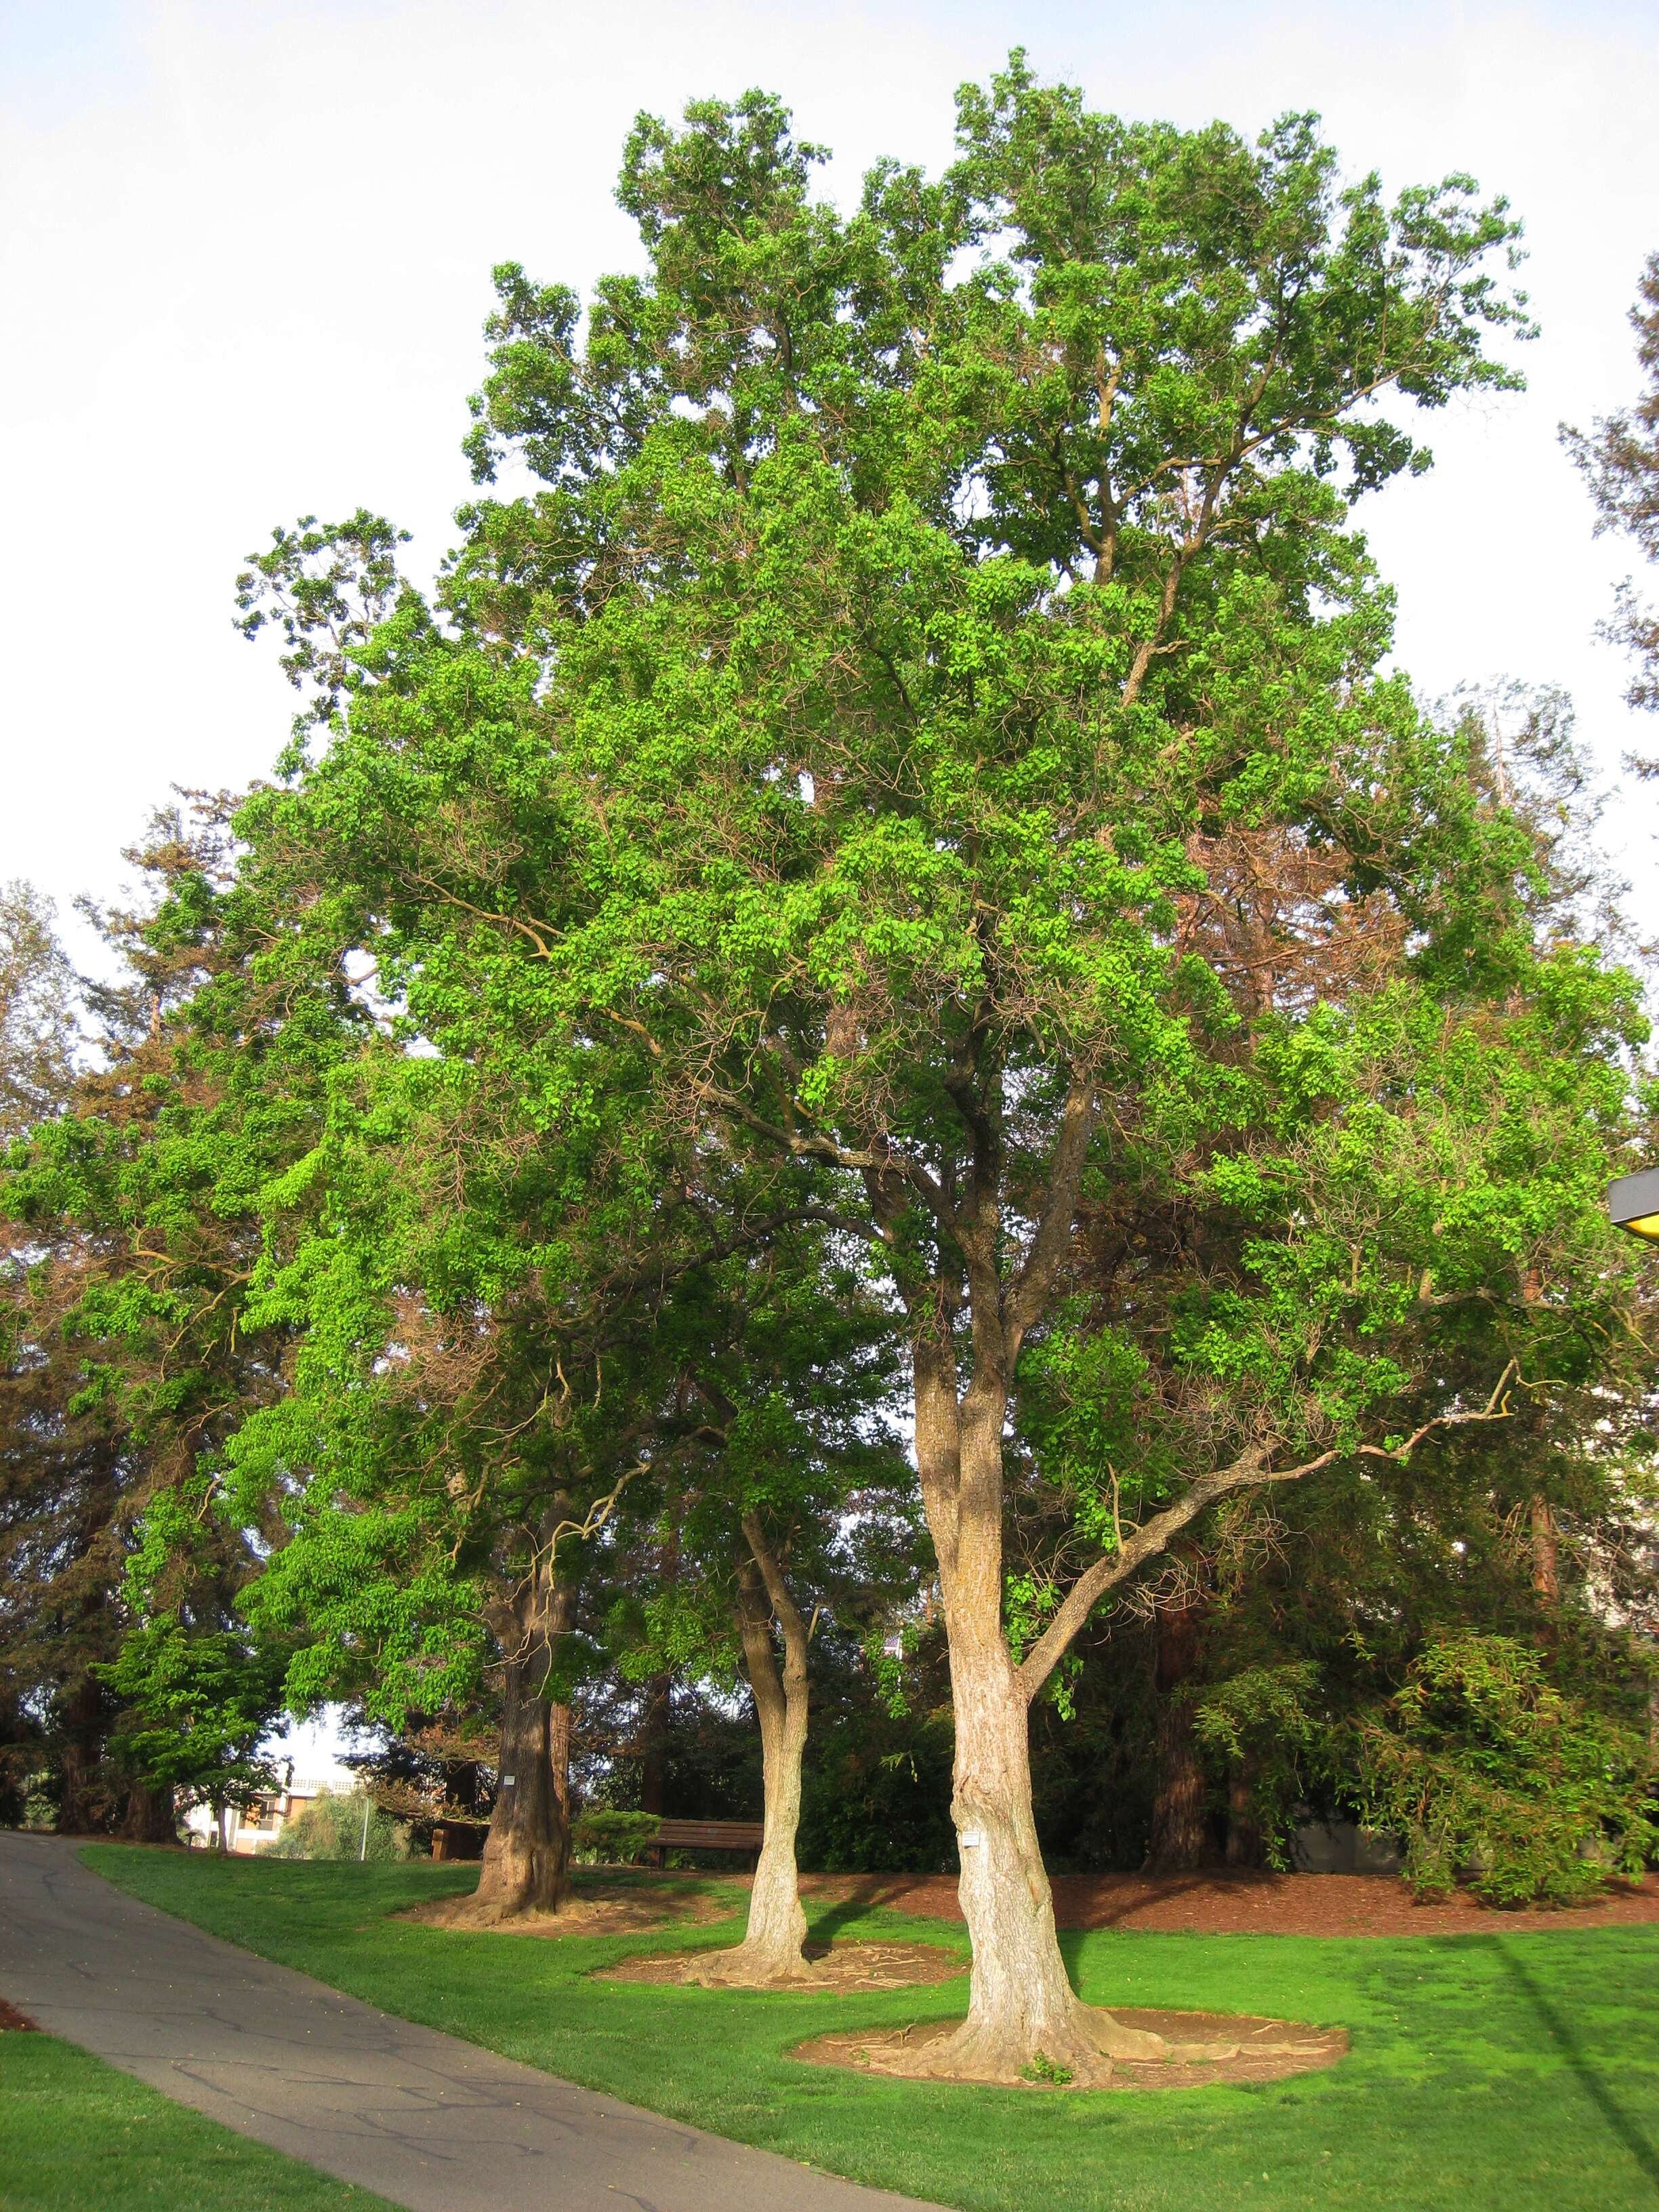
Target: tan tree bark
{"x":772,"y":1948}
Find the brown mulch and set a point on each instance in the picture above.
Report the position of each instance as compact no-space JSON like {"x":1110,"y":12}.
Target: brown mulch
{"x":1245,"y":1904}
{"x":1267,"y":2051}
{"x":11,"y":2018}
{"x":598,"y":1908}
{"x":847,"y":1966}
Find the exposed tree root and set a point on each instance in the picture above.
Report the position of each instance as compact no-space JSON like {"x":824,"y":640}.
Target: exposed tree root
{"x":595,"y":1908}
{"x":744,"y":1968}
{"x":843,"y":1966}
{"x":1136,"y":2051}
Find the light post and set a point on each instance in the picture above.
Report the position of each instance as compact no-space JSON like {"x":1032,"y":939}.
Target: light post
{"x":1633,"y":1204}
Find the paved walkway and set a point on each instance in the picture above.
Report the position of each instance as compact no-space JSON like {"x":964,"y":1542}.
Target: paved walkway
{"x":435,"y":2124}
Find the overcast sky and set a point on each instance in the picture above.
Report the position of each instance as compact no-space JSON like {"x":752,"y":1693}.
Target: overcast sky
{"x":247,"y":253}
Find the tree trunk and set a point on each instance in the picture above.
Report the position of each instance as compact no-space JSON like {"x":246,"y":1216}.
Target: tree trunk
{"x":772,"y":1948}
{"x":526,"y":1855}
{"x":1246,"y":1847}
{"x":652,"y":1741}
{"x":1177,"y":1844}
{"x":558,"y":1756}
{"x":151,"y":1816}
{"x":1546,"y":1555}
{"x":1022,"y":2009}
{"x":81,"y":1804}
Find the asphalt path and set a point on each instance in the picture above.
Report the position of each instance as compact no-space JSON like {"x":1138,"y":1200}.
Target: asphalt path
{"x":435,"y":2124}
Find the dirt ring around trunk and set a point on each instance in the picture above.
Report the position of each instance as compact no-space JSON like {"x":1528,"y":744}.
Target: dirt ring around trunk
{"x":1257,"y":2049}
{"x":837,"y":1965}
{"x":594,"y":1909}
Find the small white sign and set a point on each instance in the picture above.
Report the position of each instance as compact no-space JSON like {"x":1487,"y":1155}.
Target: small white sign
{"x":971,"y":1837}
{"x":508,"y":1781}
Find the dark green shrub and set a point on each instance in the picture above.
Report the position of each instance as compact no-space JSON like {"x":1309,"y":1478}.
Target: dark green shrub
{"x":1483,"y":1767}
{"x":616,"y":1838}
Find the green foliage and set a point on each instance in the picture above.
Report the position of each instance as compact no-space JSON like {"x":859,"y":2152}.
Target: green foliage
{"x":1046,"y":2071}
{"x":1480,"y":1763}
{"x":617,"y":1838}
{"x":200,"y":1704}
{"x":332,"y":1826}
{"x":1259,"y":1719}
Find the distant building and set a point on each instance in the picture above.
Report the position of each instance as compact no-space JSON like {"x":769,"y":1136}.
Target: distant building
{"x":260,"y":1826}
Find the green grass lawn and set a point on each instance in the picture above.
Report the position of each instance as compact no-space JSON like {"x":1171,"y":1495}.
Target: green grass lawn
{"x":77,"y":2135}
{"x":1494,"y":2071}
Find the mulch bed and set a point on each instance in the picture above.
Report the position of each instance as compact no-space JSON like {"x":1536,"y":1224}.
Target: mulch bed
{"x":11,"y":2018}
{"x":1267,"y":2051}
{"x":596,"y":1908}
{"x":845,"y":1965}
{"x":1245,"y":1904}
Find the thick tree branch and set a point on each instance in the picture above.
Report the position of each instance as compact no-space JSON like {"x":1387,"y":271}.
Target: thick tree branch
{"x":1248,"y":1471}
{"x":1032,"y":1287}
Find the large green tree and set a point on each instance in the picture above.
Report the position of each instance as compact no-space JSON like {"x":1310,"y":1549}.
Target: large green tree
{"x":920,"y":626}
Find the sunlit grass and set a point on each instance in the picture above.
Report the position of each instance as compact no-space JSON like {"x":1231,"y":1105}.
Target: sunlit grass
{"x":1496,"y":2069}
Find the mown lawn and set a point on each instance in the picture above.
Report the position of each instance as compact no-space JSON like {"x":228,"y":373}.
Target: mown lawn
{"x":77,"y":2136}
{"x":1496,"y":2070}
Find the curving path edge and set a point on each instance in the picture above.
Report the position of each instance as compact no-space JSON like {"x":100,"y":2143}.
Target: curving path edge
{"x":435,"y":2124}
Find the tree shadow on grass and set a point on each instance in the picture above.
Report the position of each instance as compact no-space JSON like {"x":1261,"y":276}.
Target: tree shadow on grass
{"x":1619,"y":2123}
{"x":827,"y":1916}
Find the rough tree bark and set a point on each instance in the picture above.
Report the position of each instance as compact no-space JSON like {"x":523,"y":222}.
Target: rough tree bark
{"x":82,"y":1802}
{"x":772,"y":1948}
{"x":1546,"y":1554}
{"x":151,"y":1815}
{"x":526,"y":1855}
{"x":1178,"y":1843}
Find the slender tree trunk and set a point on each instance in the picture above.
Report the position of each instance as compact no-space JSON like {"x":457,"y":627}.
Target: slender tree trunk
{"x":1546,"y":1554}
{"x":1246,"y":1845}
{"x":1178,"y":1843}
{"x":772,"y":1948}
{"x":558,"y":1756}
{"x":653,"y":1740}
{"x":526,"y":1855}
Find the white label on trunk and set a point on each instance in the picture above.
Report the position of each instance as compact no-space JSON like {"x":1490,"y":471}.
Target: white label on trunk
{"x":508,"y":1781}
{"x":969,"y":1836}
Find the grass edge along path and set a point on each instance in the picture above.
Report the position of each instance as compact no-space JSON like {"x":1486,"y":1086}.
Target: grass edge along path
{"x":1498,"y":2072}
{"x":78,"y":2134}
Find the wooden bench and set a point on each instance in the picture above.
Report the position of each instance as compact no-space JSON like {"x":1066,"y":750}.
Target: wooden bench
{"x":459,"y":1839}
{"x":744,"y":1836}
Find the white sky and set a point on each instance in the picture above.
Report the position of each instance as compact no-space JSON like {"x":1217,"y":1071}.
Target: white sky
{"x":246,"y":254}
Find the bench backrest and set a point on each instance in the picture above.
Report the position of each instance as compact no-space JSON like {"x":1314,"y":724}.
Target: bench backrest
{"x":712,"y":1835}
